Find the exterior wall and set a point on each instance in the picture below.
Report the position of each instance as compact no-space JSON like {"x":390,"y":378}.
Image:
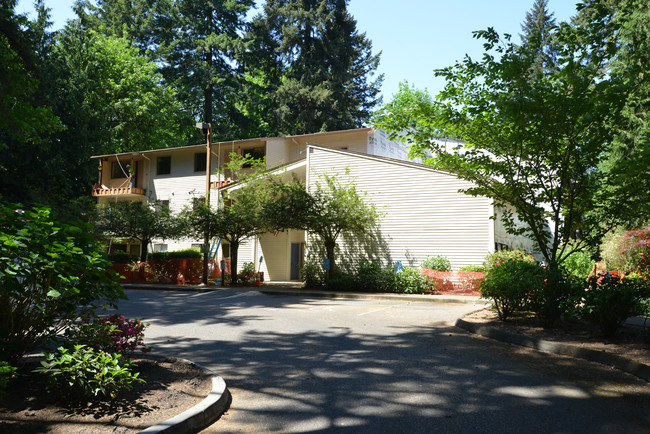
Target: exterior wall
{"x":424,"y":214}
{"x":504,"y":240}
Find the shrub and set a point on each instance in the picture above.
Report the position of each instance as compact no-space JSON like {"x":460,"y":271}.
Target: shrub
{"x":120,"y":257}
{"x":50,"y":274}
{"x":370,"y":277}
{"x":312,"y":274}
{"x":438,"y":263}
{"x":84,"y":371}
{"x":610,"y":250}
{"x":247,"y":273}
{"x":113,"y":334}
{"x":473,"y":268}
{"x":177,"y":254}
{"x":609,"y":300}
{"x":342,"y":282}
{"x":578,"y":265}
{"x":501,"y":256}
{"x":409,"y":281}
{"x":6,"y":375}
{"x":510,"y":283}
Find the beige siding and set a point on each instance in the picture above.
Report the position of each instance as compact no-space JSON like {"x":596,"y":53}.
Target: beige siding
{"x":179,"y":187}
{"x":424,"y":214}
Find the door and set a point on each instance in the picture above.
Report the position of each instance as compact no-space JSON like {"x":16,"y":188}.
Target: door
{"x":295,"y":261}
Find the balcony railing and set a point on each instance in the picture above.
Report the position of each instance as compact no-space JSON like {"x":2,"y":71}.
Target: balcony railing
{"x":105,"y":191}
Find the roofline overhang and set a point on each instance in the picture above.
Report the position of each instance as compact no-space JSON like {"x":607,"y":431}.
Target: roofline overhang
{"x":232,"y":142}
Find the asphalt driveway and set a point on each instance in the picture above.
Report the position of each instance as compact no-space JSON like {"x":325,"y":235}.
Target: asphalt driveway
{"x":308,"y":364}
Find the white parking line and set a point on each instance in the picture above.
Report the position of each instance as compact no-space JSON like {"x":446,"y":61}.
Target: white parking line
{"x":243,"y":294}
{"x":374,"y":310}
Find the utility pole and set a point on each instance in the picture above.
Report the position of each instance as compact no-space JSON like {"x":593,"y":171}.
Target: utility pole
{"x":206,"y":128}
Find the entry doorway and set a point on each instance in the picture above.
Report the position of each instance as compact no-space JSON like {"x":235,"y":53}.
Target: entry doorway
{"x":297,"y":250}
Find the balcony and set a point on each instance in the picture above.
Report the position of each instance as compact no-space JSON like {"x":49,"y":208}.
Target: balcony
{"x":127,"y":192}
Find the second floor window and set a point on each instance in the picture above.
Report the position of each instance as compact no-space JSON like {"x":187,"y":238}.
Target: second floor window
{"x":164,"y":166}
{"x":200,"y":162}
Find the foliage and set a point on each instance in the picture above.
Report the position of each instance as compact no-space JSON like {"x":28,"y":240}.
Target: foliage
{"x":636,"y":243}
{"x":89,"y":373}
{"x":312,"y":274}
{"x":177,"y":254}
{"x":247,"y":274}
{"x":578,"y":265}
{"x":622,"y":29}
{"x":112,"y":334}
{"x":6,"y":375}
{"x":610,"y":250}
{"x":510,"y":283}
{"x":409,"y":281}
{"x":50,"y":274}
{"x":240,"y":216}
{"x":610,"y":300}
{"x":312,"y":66}
{"x":474,"y":268}
{"x":501,"y":256}
{"x":438,"y":263}
{"x":327,"y":210}
{"x":137,"y":220}
{"x":120,"y":257}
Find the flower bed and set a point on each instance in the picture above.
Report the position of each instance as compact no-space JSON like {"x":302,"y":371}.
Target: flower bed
{"x":452,"y":282}
{"x":171,"y":271}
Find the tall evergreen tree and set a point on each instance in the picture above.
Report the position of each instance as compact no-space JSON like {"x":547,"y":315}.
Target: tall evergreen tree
{"x":317,"y":69}
{"x":199,"y":53}
{"x":537,"y":38}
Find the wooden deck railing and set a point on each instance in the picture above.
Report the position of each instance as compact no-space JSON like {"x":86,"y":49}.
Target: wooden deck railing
{"x":105,"y":191}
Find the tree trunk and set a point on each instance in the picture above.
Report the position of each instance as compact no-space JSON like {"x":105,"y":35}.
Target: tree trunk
{"x":553,"y":291}
{"x":234,"y":248}
{"x":330,"y":245}
{"x":143,"y":250}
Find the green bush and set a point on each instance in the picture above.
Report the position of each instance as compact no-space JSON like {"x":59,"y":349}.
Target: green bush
{"x":501,"y":256}
{"x":370,"y":277}
{"x":6,"y":375}
{"x":438,"y":263}
{"x":50,"y":274}
{"x":247,"y":273}
{"x":89,"y":373}
{"x":473,"y":268}
{"x":312,"y":274}
{"x":343,"y":282}
{"x":509,"y":284}
{"x":111,"y":334}
{"x":609,"y":301}
{"x":409,"y":281}
{"x":177,"y":254}
{"x":120,"y":257}
{"x":578,"y":265}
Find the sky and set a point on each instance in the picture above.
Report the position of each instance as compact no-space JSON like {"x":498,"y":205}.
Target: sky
{"x":414,"y":36}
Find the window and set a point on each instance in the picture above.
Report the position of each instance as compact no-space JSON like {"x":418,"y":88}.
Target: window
{"x":256,"y":153}
{"x":225,"y":250}
{"x":160,"y":247}
{"x":164,"y":166}
{"x":200,"y":159}
{"x":118,"y":171}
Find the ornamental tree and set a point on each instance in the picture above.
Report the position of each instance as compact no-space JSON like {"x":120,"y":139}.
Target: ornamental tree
{"x":137,"y":220}
{"x":533,"y":139}
{"x":327,"y":210}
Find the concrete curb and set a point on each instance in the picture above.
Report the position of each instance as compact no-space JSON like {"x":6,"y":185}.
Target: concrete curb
{"x":638,"y":369}
{"x":289,"y":291}
{"x":201,"y":415}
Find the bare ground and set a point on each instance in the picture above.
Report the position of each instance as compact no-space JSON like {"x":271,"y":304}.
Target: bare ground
{"x":172,"y":386}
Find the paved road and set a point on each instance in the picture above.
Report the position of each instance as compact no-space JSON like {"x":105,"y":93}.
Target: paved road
{"x":305,"y":364}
